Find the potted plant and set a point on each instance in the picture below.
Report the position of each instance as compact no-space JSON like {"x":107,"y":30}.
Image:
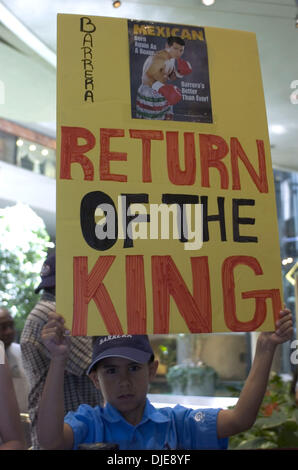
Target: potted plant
{"x":24,"y":242}
{"x":201,"y":380}
{"x":276,"y":426}
{"x":192,"y":379}
{"x":177,"y":378}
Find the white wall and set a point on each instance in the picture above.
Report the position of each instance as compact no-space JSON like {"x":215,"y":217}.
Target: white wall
{"x":37,"y":191}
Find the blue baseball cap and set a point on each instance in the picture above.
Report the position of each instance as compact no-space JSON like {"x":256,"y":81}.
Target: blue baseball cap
{"x":137,"y":348}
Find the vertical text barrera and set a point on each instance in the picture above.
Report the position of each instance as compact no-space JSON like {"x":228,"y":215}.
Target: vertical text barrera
{"x":88,"y":28}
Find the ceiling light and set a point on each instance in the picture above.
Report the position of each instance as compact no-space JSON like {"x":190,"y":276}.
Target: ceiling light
{"x":23,"y":33}
{"x":117,"y":4}
{"x":44,"y":152}
{"x":19,"y":143}
{"x":277,"y":129}
{"x":32,"y":148}
{"x":287,"y":261}
{"x":208,"y":2}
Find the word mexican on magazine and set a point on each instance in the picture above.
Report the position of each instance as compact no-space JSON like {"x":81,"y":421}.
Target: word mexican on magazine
{"x":169,"y":73}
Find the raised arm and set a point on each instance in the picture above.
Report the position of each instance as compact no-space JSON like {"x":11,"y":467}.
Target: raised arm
{"x":51,"y":430}
{"x":243,"y":416}
{"x":11,"y":432}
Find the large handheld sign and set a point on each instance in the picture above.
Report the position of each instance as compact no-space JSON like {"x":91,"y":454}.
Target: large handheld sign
{"x":166,"y":217}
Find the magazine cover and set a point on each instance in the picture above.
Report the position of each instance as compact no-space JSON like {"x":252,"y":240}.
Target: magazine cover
{"x":169,"y":73}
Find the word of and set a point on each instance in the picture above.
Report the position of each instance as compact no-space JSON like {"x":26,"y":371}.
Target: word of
{"x":167,"y":282}
{"x":88,"y":28}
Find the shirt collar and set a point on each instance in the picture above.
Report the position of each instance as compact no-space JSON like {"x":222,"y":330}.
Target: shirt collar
{"x":112,"y":415}
{"x":150,"y":412}
{"x":47,"y":296}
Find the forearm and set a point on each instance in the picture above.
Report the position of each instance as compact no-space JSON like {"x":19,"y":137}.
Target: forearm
{"x":13,"y":445}
{"x":10,"y":423}
{"x":51,"y":409}
{"x":243,"y":416}
{"x":254,"y":389}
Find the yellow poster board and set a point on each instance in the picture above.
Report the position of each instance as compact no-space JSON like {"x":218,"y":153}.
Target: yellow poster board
{"x":166,"y":217}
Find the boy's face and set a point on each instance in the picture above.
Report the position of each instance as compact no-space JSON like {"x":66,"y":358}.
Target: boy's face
{"x":175,"y":50}
{"x":124,"y":384}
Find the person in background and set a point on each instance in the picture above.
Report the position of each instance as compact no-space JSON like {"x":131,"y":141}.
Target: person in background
{"x":36,"y":358}
{"x":11,"y":432}
{"x":14,"y":358}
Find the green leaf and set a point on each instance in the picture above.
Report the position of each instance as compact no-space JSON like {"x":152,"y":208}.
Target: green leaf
{"x":256,"y":443}
{"x":21,"y":263}
{"x":275,"y":420}
{"x":294,"y":415}
{"x":288,"y":435}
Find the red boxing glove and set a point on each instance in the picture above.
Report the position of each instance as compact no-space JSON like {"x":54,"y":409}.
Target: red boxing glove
{"x":183,"y":68}
{"x":171,"y":93}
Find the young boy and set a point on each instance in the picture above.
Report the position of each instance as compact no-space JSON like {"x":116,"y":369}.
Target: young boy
{"x":122,"y":367}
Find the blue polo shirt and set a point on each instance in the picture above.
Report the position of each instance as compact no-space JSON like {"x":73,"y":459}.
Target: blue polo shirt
{"x":162,"y":428}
